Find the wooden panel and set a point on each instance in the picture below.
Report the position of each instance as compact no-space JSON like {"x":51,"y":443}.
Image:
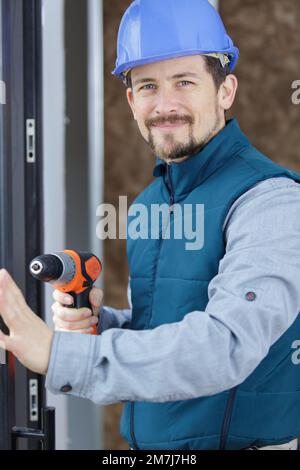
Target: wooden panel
{"x":268,"y":35}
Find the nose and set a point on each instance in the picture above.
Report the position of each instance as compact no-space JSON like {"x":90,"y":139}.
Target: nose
{"x":165,"y":102}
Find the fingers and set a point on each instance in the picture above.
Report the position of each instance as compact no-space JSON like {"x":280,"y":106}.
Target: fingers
{"x":96,"y":297}
{"x":29,"y":338}
{"x":11,"y":299}
{"x":62,"y":297}
{"x":72,"y":319}
{"x":70,"y":314}
{"x":9,"y":284}
{"x":72,"y":326}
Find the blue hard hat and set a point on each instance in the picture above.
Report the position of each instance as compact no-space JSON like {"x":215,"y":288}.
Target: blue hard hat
{"x":155,"y":30}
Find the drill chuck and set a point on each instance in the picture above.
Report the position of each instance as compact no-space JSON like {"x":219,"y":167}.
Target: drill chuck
{"x":46,"y":268}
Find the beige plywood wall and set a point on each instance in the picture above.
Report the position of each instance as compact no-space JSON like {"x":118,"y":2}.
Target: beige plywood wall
{"x":268,"y":35}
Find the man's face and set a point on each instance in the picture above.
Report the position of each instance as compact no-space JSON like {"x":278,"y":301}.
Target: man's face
{"x":176,"y":105}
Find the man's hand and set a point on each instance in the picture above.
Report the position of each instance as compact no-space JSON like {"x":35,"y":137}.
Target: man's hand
{"x":75,"y":320}
{"x":30,"y":339}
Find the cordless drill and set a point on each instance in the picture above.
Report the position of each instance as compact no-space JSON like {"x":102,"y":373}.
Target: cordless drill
{"x":73,"y":272}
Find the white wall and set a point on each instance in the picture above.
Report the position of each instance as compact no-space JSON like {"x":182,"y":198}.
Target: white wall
{"x":78,"y":421}
{"x":53,"y":172}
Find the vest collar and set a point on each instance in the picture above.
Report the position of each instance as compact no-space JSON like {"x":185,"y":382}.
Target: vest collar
{"x":190,"y":173}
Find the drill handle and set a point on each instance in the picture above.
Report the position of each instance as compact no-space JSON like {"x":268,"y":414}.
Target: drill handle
{"x":82,"y":300}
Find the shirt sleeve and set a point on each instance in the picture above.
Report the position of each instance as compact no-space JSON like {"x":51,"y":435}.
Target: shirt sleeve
{"x":253,"y":300}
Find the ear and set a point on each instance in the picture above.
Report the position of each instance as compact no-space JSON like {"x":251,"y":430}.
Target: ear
{"x":130,"y":99}
{"x":228,"y":91}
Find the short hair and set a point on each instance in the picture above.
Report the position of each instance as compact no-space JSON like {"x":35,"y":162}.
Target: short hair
{"x":213,"y":67}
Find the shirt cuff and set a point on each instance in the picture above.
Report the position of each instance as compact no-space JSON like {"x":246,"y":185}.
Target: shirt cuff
{"x":106,"y":320}
{"x":113,"y":318}
{"x":69,"y":372}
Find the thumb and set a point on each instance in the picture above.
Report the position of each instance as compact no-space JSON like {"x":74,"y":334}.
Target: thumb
{"x":95,"y":297}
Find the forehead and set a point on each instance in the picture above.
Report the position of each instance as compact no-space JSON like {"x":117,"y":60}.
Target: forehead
{"x":164,"y":68}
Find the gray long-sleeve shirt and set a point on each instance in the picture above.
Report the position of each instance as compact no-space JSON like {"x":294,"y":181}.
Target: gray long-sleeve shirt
{"x":208,"y":353}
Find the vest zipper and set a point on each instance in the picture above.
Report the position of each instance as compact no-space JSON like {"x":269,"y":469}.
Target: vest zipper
{"x":171,"y":187}
{"x":227,"y":418}
{"x":135,"y":445}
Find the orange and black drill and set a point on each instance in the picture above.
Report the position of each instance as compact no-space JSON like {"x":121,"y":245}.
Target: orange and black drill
{"x":73,"y":272}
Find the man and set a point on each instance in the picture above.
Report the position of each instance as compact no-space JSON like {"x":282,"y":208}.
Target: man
{"x":204,"y":358}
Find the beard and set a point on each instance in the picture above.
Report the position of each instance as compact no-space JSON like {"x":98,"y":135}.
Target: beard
{"x":171,"y":149}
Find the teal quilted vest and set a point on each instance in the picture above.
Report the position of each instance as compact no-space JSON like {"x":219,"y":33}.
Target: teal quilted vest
{"x":168,"y":281}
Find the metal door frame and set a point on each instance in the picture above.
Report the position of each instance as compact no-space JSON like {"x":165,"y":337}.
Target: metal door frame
{"x":20,"y":192}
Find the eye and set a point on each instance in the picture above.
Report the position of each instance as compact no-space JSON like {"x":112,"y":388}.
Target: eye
{"x":149,"y":85}
{"x":186,"y":82}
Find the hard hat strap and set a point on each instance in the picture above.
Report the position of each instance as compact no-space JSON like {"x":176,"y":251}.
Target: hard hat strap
{"x":223,"y":58}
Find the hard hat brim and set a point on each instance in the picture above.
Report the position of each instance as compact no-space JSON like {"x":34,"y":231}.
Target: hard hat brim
{"x":233,"y":52}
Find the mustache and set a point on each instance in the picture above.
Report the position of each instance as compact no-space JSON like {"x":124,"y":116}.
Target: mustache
{"x":168,"y":120}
